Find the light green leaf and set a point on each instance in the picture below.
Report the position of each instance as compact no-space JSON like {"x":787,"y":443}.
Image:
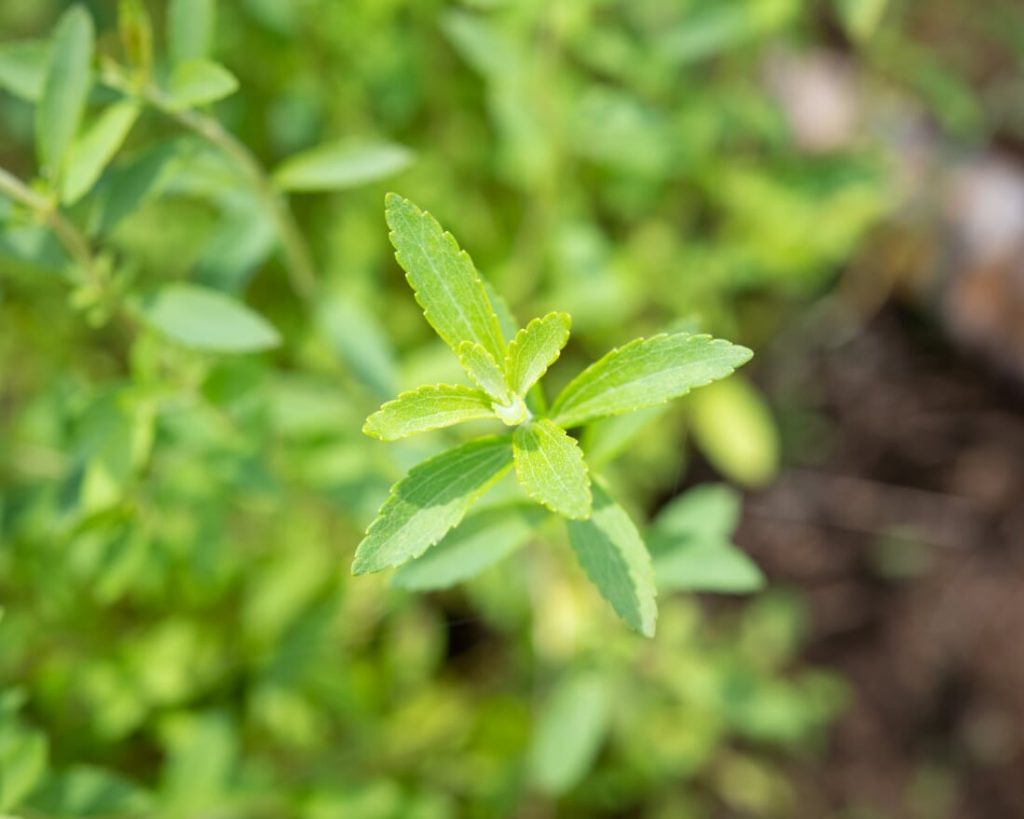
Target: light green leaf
{"x":480,"y":541}
{"x":136,"y":31}
{"x":534,"y":349}
{"x":85,"y":790}
{"x":341,"y":165}
{"x":861,"y":18}
{"x":690,"y":547}
{"x":23,"y":66}
{"x":199,"y":82}
{"x":707,"y":567}
{"x":93,"y":150}
{"x":613,"y":555}
{"x":23,"y":757}
{"x":446,"y":283}
{"x":358,"y":338}
{"x":426,"y":408}
{"x":431,"y":500}
{"x":570,"y":730}
{"x":66,"y":87}
{"x":484,"y":370}
{"x":644,"y":373}
{"x":706,"y":512}
{"x":550,"y":468}
{"x":190,"y":27}
{"x":207,"y":320}
{"x":735,"y":429}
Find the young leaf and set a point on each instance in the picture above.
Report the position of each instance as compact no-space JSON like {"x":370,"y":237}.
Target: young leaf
{"x":644,"y":373}
{"x":550,"y":467}
{"x":207,"y":320}
{"x":341,"y":165}
{"x":90,"y":153}
{"x":430,"y":500}
{"x":570,"y":730}
{"x":199,"y":82}
{"x":136,"y":31}
{"x":427,"y":408}
{"x":613,"y":555}
{"x":690,"y":547}
{"x":23,"y":66}
{"x":190,"y":25}
{"x":534,"y":349}
{"x":446,"y":283}
{"x":480,"y":541}
{"x":484,"y":370}
{"x":66,"y":87}
{"x":707,"y":567}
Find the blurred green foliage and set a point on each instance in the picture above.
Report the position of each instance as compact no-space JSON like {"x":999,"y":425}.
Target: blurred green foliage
{"x":180,"y":636}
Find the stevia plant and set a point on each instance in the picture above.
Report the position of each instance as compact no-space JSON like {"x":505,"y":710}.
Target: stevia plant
{"x":549,"y":464}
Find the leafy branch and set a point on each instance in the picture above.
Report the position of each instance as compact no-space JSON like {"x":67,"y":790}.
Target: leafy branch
{"x":426,"y":505}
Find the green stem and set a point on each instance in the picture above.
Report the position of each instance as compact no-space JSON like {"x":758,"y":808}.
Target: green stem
{"x":297,"y":257}
{"x":73,"y":240}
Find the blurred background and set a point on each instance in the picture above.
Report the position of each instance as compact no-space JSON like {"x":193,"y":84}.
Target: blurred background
{"x":837,"y":184}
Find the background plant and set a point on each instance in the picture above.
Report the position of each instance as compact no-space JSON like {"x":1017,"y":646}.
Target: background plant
{"x":179,"y":508}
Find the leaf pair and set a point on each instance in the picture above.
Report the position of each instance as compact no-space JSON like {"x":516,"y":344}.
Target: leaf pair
{"x":549,"y":465}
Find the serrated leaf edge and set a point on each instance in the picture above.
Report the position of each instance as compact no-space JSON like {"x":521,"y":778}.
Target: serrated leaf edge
{"x":522,"y":333}
{"x":553,"y":414}
{"x":468,"y":392}
{"x":537,"y":498}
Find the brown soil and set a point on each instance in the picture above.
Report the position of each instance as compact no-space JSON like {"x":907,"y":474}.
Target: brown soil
{"x":902,"y":520}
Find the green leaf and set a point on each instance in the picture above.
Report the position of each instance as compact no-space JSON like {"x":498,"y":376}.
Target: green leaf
{"x":480,"y":541}
{"x":644,"y":373}
{"x":341,"y":165}
{"x":534,"y":349}
{"x":446,"y":283}
{"x":570,"y":730}
{"x":84,"y":790}
{"x":861,"y":18}
{"x":190,"y":27}
{"x":136,"y":31}
{"x":706,"y":512}
{"x":690,"y":544}
{"x":484,"y":370}
{"x":23,"y":67}
{"x":358,"y":338}
{"x":93,"y":150}
{"x":426,"y":408}
{"x":66,"y":87}
{"x":734,"y":428}
{"x":707,"y":567}
{"x":23,"y":757}
{"x":199,"y":82}
{"x":207,"y":320}
{"x":431,"y":500}
{"x":550,"y":468}
{"x":613,"y":555}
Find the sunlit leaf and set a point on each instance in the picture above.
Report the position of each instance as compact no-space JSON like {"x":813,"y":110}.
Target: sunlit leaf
{"x":484,"y":370}
{"x":644,"y":373}
{"x":199,"y":82}
{"x":481,"y":540}
{"x":447,"y":285}
{"x":93,"y":150}
{"x":190,"y":27}
{"x":23,"y":66}
{"x":207,"y":320}
{"x":66,"y":87}
{"x":427,"y":408}
{"x":535,"y":348}
{"x":570,"y":729}
{"x":550,"y":468}
{"x":430,"y":500}
{"x":613,"y":555}
{"x":341,"y":165}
